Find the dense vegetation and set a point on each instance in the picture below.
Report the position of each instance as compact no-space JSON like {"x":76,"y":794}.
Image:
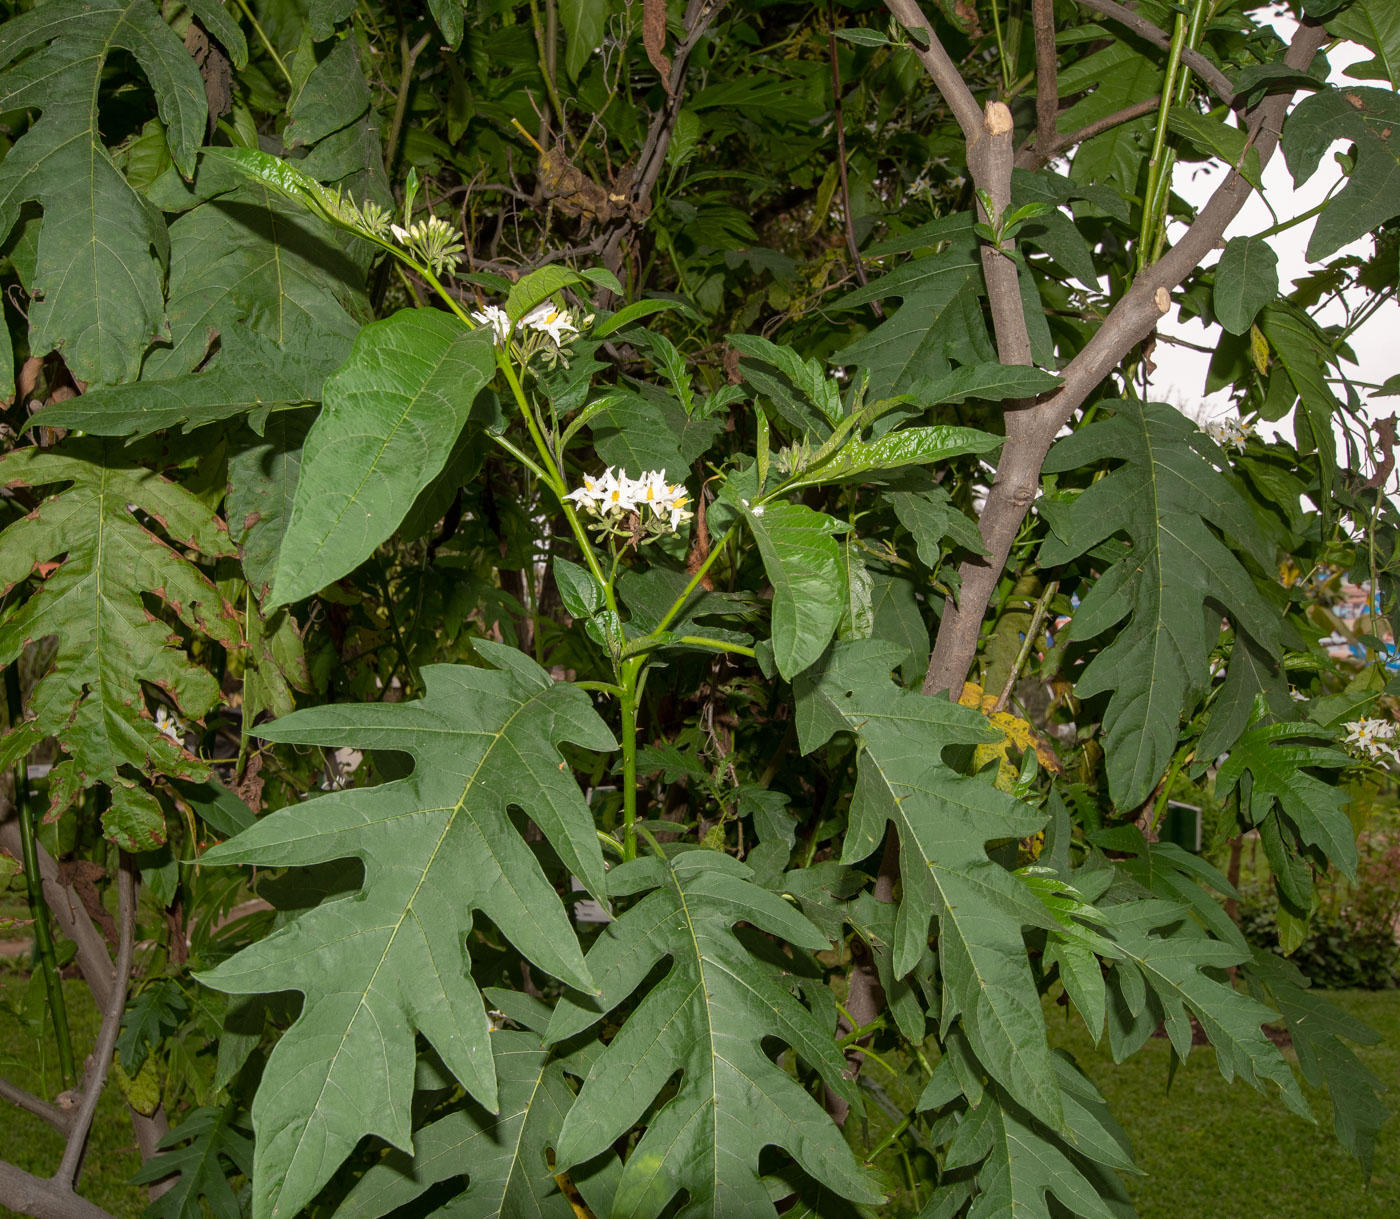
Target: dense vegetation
{"x":597,"y":613}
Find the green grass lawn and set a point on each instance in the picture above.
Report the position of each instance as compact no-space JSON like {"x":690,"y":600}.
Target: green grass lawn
{"x":1212,"y":1149}
{"x":1209,"y":1148}
{"x":36,"y":1147}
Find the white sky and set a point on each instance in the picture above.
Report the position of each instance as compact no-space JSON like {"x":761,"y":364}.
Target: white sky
{"x":1181,"y":372}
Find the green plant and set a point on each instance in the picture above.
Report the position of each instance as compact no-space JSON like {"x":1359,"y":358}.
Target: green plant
{"x":532,"y":541}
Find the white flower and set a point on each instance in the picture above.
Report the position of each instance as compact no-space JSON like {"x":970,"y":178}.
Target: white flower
{"x":614,"y":495}
{"x":551,"y":320}
{"x":590,"y":495}
{"x":619,"y":492}
{"x":496,"y":318}
{"x":170,"y":726}
{"x":1297,"y":696}
{"x":1229,"y":433}
{"x":400,"y":233}
{"x":653,"y":491}
{"x":1367,"y":738}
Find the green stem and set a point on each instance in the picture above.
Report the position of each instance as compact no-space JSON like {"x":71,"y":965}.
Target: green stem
{"x":1284,"y":225}
{"x":856,"y":1034}
{"x":262,"y":37}
{"x":1182,"y":756}
{"x":408,"y":61}
{"x":523,"y":458}
{"x":648,"y":642}
{"x":1146,"y":230}
{"x":412,"y":669}
{"x":603,"y":687}
{"x":551,"y":477}
{"x":1001,"y":46}
{"x":248,"y":612}
{"x":628,"y":699}
{"x":679,"y":603}
{"x":34,"y":889}
{"x":1042,"y":603}
{"x":889,"y":1138}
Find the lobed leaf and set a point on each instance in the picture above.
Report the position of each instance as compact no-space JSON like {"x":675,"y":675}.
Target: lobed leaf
{"x":1165,"y":495}
{"x":706,"y":1018}
{"x":378,"y":966}
{"x":96,"y":288}
{"x":101,"y":558}
{"x":944,"y":820}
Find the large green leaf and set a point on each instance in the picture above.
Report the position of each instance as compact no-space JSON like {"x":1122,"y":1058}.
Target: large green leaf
{"x":1369,"y":118}
{"x":1104,"y":82}
{"x":706,"y":1018}
{"x":96,"y":288}
{"x":263,"y":472}
{"x":105,"y":558}
{"x":392,"y":959}
{"x":251,"y":372}
{"x":1375,"y":25}
{"x":809,"y":376}
{"x":991,"y":382}
{"x":944,"y":821}
{"x":1021,"y":1162}
{"x":1246,"y":279}
{"x":503,"y":1154}
{"x":803,"y":564}
{"x":584,"y":22}
{"x":940,"y":318}
{"x":1306,"y":352}
{"x":214,"y":1149}
{"x":1170,"y":952}
{"x":638,"y":434}
{"x":1165,"y":495}
{"x":250,"y":255}
{"x":391,"y":415}
{"x":333,"y":96}
{"x":931,"y":516}
{"x":910,"y":446}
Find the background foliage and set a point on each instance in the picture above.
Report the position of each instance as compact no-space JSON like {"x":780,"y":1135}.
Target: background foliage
{"x":430,"y":836}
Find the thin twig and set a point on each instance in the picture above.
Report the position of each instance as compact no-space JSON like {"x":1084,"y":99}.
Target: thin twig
{"x":409,"y":57}
{"x":1032,"y":634}
{"x":94,"y":963}
{"x":840,"y":122}
{"x":1033,"y":156}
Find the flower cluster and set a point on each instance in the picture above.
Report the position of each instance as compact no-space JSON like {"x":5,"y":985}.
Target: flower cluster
{"x":614,"y":496}
{"x":434,"y":241}
{"x":1370,"y":739}
{"x":546,"y":319}
{"x":1229,"y":433}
